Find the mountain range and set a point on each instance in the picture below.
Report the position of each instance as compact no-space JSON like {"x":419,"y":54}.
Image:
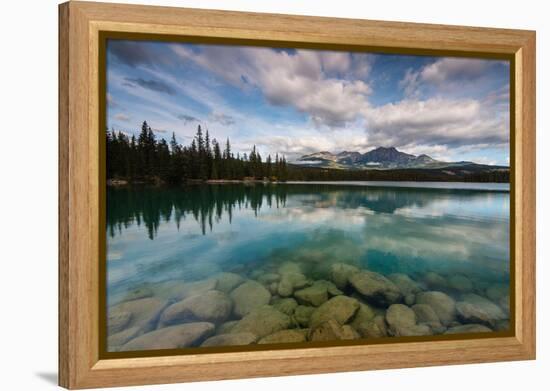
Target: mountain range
{"x":379,"y":158}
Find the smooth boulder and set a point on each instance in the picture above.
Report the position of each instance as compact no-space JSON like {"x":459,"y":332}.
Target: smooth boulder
{"x":406,"y":285}
{"x":314,"y":295}
{"x":226,"y":282}
{"x":477,"y":309}
{"x":284,"y":336}
{"x":339,"y":308}
{"x":262,"y":321}
{"x":376,"y":288}
{"x":285,"y":305}
{"x":398,"y":317}
{"x":461,"y":283}
{"x":175,"y":290}
{"x":249,"y":296}
{"x":173,"y":337}
{"x":302,"y":315}
{"x":118,"y":321}
{"x":442,"y":304}
{"x":331,"y":330}
{"x":468,"y":328}
{"x":231,"y":339}
{"x":290,"y":281}
{"x":426,"y":315}
{"x":212,"y":306}
{"x":341,"y":272}
{"x":435,"y":281}
{"x":497,"y":291}
{"x":144,"y":314}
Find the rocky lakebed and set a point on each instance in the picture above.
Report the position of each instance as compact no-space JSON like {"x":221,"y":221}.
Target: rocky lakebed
{"x":287,"y":303}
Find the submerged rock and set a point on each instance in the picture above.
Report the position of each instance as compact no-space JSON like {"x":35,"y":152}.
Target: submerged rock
{"x":291,"y":281}
{"x":140,"y":292}
{"x":268,"y":278}
{"x":399,"y":317}
{"x":255,"y":273}
{"x":468,"y":328}
{"x":179,"y":289}
{"x":249,"y":296}
{"x":410,"y":299}
{"x":376,"y":288}
{"x":477,"y":309}
{"x":402,"y":322}
{"x":407,"y":286}
{"x":332,"y":289}
{"x":226,"y":327}
{"x":115,"y":341}
{"x":284,"y":336}
{"x":143,"y":311}
{"x":362,"y":319}
{"x":504,"y":303}
{"x":415,"y":330}
{"x":144,"y":314}
{"x":339,"y":308}
{"x":228,"y":281}
{"x":231,"y":339}
{"x":426,"y":315}
{"x":273,"y":288}
{"x":442,"y":304}
{"x":118,"y":321}
{"x":435,"y":281}
{"x":340,"y":273}
{"x":496,"y":292}
{"x":286,"y":305}
{"x":314,"y":295}
{"x":173,"y":337}
{"x":347,"y":332}
{"x":461,"y":283}
{"x":375,"y":328}
{"x":302,"y":315}
{"x":212,"y":306}
{"x":289,"y":267}
{"x":331,"y":330}
{"x":318,"y":293}
{"x":500,"y":294}
{"x":262,"y":321}
{"x":502,"y":325}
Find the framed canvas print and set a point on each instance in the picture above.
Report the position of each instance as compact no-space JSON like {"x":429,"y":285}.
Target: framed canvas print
{"x":257,"y":195}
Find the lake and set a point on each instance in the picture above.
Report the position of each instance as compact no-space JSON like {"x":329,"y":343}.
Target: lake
{"x":234,"y":264}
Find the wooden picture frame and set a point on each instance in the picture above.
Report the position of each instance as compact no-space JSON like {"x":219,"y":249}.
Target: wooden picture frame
{"x":80,"y":201}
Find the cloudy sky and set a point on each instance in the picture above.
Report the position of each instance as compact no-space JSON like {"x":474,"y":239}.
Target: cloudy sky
{"x":295,"y":102}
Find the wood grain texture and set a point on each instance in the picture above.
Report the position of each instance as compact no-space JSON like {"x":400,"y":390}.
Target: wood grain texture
{"x":79,"y":200}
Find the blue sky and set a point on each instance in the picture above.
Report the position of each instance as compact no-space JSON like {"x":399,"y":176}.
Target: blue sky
{"x":295,"y":102}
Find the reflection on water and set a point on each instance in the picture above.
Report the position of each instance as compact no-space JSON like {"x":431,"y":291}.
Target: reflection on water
{"x":300,"y":249}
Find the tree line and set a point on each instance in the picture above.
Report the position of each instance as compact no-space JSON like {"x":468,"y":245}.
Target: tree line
{"x":449,"y":174}
{"x":146,"y":159}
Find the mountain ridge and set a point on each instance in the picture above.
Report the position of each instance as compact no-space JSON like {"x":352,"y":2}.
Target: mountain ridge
{"x":377,"y":158}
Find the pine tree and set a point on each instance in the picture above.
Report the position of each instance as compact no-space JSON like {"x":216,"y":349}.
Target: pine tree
{"x":268,"y":172}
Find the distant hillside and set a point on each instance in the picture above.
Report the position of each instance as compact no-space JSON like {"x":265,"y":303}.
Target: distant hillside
{"x":382,"y":159}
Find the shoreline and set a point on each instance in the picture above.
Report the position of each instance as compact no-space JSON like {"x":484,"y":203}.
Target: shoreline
{"x":438,"y":185}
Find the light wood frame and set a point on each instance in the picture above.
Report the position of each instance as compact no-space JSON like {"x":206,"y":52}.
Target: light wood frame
{"x":80,"y":24}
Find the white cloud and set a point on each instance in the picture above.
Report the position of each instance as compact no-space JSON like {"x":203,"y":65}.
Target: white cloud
{"x":435,"y":121}
{"x":410,"y":83}
{"x":224,"y":119}
{"x":451,"y":68}
{"x":449,"y":75}
{"x":122,"y":117}
{"x":303,"y":79}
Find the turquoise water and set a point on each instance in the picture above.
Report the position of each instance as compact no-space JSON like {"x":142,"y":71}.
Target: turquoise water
{"x":449,"y":238}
